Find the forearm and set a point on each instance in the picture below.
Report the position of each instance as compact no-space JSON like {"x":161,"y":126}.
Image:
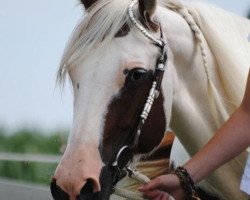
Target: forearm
{"x":228,"y":142}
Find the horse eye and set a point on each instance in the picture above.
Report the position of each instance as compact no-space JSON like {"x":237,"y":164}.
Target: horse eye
{"x":138,"y":74}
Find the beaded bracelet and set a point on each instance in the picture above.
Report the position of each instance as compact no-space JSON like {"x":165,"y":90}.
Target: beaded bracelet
{"x":187,"y":183}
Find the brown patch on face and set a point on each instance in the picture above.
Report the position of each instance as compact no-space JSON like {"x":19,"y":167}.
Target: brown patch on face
{"x":124,"y":114}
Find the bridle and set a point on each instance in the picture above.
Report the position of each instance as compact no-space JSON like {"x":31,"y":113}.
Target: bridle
{"x":124,"y":157}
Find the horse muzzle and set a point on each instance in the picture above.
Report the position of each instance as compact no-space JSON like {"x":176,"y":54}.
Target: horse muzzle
{"x":78,"y":173}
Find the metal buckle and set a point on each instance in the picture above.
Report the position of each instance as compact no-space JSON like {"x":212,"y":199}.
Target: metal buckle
{"x":123,"y":157}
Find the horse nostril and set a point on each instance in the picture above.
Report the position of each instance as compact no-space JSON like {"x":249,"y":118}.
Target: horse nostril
{"x":53,"y":179}
{"x":89,"y":186}
{"x":87,"y":191}
{"x":57,"y":192}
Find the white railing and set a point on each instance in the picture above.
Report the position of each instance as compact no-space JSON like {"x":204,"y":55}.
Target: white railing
{"x":13,"y":190}
{"x":20,"y":157}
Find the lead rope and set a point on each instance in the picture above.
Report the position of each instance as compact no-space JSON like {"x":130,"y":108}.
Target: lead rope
{"x":136,"y":175}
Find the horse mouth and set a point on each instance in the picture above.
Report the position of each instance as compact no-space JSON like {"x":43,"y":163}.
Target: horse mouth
{"x":85,"y":194}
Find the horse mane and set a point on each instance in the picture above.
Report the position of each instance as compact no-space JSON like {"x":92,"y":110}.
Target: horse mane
{"x":226,"y":35}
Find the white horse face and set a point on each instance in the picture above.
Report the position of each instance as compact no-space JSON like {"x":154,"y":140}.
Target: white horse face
{"x":110,"y":89}
{"x":99,"y":79}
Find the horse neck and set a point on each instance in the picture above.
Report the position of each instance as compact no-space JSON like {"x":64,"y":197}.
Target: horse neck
{"x":191,"y":100}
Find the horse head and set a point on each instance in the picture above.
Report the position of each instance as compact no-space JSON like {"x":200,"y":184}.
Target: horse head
{"x":112,"y":66}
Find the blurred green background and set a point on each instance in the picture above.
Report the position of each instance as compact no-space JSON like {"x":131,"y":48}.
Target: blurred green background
{"x":29,"y":141}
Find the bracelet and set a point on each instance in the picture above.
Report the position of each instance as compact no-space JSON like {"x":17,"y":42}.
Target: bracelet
{"x":187,"y":183}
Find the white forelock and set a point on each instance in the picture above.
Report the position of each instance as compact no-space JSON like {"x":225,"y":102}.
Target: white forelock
{"x":96,"y":30}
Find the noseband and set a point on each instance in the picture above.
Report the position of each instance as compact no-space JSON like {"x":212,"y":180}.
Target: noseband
{"x":124,"y":157}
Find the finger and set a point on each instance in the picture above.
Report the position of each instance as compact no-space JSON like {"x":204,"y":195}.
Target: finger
{"x":152,"y":194}
{"x":152,"y":185}
{"x":163,"y":196}
{"x":159,"y":197}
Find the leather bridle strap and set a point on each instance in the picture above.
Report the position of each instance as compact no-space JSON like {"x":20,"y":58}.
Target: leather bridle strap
{"x":126,"y":153}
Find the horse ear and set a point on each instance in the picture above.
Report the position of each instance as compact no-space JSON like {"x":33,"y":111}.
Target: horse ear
{"x":147,"y":9}
{"x":88,"y":3}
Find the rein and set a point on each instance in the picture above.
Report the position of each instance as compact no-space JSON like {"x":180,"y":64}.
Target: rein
{"x":121,"y":166}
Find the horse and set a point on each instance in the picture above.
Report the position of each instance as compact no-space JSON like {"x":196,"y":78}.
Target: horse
{"x":113,"y":59}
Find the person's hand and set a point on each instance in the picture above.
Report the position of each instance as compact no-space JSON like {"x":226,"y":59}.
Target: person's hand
{"x":162,"y":187}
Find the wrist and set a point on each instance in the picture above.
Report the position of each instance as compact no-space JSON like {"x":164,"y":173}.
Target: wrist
{"x":186,"y":183}
{"x":193,"y":173}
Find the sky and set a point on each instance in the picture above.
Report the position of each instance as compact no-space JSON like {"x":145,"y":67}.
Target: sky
{"x":33,"y":35}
